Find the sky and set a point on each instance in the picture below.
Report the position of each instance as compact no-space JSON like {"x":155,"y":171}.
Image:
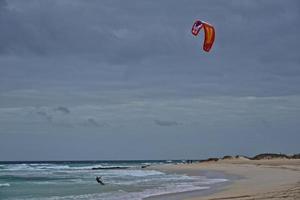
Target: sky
{"x":116,"y":80}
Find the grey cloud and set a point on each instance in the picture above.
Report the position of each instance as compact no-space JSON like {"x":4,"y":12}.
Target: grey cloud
{"x":45,"y":115}
{"x":3,"y":4}
{"x":120,"y":65}
{"x":256,"y":49}
{"x":63,"y":109}
{"x":92,"y":121}
{"x":166,"y":123}
{"x":50,"y":114}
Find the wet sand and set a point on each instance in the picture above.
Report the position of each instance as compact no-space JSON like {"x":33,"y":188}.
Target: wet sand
{"x":257,"y":179}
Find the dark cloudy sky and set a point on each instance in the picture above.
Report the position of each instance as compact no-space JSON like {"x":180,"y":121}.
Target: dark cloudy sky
{"x":115,"y":79}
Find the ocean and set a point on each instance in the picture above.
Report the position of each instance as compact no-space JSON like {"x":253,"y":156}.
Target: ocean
{"x":66,"y":180}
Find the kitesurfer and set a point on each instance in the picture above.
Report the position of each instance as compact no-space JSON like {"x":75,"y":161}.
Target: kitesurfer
{"x":99,"y":180}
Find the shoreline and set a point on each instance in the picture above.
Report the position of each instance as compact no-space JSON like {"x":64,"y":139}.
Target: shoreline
{"x":248,"y":179}
{"x":210,"y":174}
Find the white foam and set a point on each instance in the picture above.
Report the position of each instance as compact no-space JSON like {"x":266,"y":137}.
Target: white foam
{"x":18,"y":167}
{"x":120,"y":195}
{"x":213,"y":181}
{"x":155,"y":179}
{"x":170,"y":190}
{"x":4,"y":184}
{"x":86,"y":167}
{"x":40,"y":164}
{"x":21,"y":167}
{"x":139,"y":173}
{"x":55,"y":167}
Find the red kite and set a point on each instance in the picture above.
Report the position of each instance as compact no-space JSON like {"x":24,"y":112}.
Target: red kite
{"x":209,"y":32}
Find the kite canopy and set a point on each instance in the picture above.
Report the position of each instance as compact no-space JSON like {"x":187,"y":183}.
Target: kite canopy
{"x":209,"y":32}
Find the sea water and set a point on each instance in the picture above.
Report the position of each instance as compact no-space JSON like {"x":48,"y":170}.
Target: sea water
{"x":76,"y":180}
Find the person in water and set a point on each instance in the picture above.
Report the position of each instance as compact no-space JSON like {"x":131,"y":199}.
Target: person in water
{"x":99,"y":180}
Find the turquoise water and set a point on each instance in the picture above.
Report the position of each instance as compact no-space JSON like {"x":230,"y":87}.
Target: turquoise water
{"x":76,"y":180}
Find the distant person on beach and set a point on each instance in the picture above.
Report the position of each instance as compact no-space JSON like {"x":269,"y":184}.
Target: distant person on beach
{"x":99,"y":180}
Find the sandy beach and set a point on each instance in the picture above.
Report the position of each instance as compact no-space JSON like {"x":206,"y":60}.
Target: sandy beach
{"x":259,"y":179}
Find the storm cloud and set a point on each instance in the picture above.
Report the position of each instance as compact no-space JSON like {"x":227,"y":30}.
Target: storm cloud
{"x":68,"y":68}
